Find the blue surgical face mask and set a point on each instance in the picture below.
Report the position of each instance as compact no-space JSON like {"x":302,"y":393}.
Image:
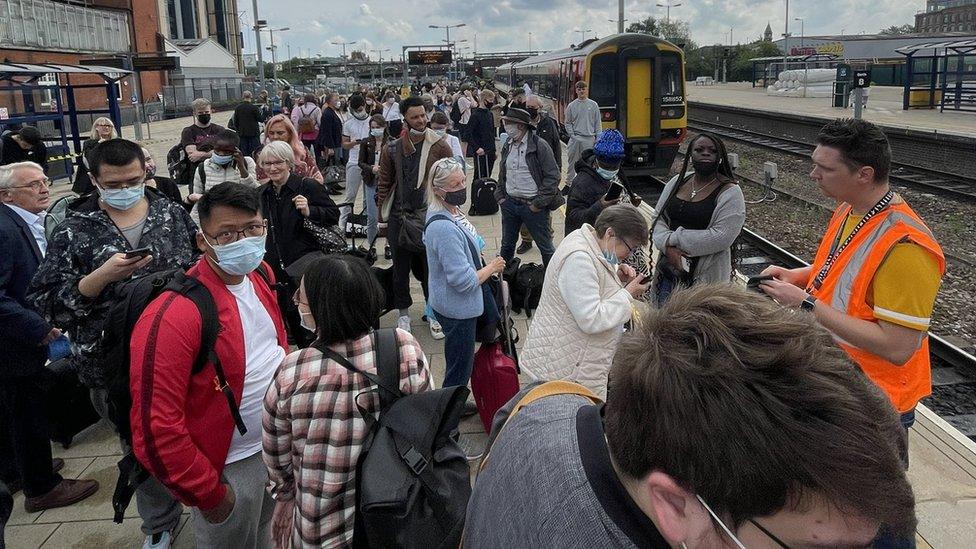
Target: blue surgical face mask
{"x":241,"y":257}
{"x":606,"y":174}
{"x":441,"y":133}
{"x":610,"y":256}
{"x":376,"y":132}
{"x":122,"y":199}
{"x":221,"y":159}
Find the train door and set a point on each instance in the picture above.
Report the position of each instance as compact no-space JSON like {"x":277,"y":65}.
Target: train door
{"x":640,"y":97}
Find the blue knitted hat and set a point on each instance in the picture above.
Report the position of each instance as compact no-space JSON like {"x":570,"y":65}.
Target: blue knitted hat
{"x":610,"y":146}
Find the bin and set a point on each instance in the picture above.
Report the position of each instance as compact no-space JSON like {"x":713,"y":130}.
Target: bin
{"x":923,"y":98}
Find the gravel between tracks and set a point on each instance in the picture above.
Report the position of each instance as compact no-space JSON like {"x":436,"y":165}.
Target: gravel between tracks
{"x":798,"y":226}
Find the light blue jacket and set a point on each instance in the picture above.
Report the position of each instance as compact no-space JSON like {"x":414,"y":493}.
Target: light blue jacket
{"x":452,"y":277}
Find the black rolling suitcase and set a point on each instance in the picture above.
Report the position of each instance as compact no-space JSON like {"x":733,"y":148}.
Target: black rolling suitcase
{"x":483,"y":192}
{"x":69,"y":406}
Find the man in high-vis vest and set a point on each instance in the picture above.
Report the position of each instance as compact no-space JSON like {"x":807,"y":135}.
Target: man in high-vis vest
{"x":878,"y":268}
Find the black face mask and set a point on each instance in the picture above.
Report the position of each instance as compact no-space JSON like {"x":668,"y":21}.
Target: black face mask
{"x":203,"y":119}
{"x":705,"y":169}
{"x":533,"y":112}
{"x":456,"y":198}
{"x":150,"y":172}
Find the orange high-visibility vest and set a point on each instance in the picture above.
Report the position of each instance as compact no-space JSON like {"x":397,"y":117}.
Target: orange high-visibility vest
{"x":847,"y":285}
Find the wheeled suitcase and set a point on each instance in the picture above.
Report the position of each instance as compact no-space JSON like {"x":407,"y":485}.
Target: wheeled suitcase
{"x":483,"y":192}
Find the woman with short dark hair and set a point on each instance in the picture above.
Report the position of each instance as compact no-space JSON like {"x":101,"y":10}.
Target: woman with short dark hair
{"x":313,"y":429}
{"x":587,"y":297}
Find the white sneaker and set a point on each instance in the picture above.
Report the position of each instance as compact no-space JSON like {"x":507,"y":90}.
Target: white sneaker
{"x":404,"y":323}
{"x":435,"y":329}
{"x":164,"y":541}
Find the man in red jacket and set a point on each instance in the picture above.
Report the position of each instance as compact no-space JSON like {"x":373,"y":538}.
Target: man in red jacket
{"x":184,"y":430}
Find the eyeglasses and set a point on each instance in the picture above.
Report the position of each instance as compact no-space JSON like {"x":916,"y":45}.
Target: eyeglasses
{"x":229,"y":237}
{"x":732,"y":536}
{"x":37,"y":184}
{"x":104,"y":126}
{"x":273,"y":163}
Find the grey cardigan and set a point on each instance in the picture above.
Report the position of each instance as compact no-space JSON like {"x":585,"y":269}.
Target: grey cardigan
{"x":712,"y":246}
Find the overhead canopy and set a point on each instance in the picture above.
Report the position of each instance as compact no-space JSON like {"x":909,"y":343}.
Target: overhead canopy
{"x":958,"y":46}
{"x":8,"y":70}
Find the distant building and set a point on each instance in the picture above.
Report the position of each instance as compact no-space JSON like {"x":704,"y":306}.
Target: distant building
{"x":201,"y":19}
{"x":768,"y":34}
{"x":947,"y":16}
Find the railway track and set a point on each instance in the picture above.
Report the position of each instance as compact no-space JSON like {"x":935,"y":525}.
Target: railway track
{"x":953,"y":369}
{"x":913,"y":176}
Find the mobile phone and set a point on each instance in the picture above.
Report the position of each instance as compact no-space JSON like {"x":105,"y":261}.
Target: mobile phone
{"x":754,"y":281}
{"x":614,"y":192}
{"x":58,"y":349}
{"x":139,"y":252}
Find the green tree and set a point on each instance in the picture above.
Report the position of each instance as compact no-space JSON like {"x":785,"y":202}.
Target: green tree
{"x":674,"y":31}
{"x":647,"y":25}
{"x":740,"y":63}
{"x":895,"y":30}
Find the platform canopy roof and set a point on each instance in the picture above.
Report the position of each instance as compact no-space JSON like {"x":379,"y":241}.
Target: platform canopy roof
{"x":958,"y":46}
{"x":8,"y":69}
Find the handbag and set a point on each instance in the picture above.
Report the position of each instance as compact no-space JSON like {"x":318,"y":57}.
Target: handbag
{"x":329,"y":239}
{"x":411,"y":237}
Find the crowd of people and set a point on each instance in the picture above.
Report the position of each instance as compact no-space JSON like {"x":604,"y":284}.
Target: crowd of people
{"x":730,"y":419}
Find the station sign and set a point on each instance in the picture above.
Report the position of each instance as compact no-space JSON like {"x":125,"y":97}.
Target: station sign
{"x":431,"y":57}
{"x":155,"y":63}
{"x":830,"y":48}
{"x":862,"y":79}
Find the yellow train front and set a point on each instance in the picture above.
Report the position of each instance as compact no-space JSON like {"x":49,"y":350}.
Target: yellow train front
{"x":636,"y":79}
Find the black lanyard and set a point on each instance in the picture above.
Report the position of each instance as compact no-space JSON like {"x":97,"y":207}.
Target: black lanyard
{"x":836,"y":249}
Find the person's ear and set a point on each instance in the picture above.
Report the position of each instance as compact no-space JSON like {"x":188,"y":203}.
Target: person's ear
{"x":670,"y":508}
{"x":201,"y":242}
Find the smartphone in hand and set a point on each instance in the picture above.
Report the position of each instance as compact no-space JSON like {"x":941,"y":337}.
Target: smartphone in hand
{"x":614,"y":193}
{"x":139,"y":252}
{"x":754,"y":281}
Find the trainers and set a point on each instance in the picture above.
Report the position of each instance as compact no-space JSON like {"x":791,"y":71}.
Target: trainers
{"x":524,"y":247}
{"x":436,"y":331}
{"x":161,"y":540}
{"x":67,"y":492}
{"x":404,"y":323}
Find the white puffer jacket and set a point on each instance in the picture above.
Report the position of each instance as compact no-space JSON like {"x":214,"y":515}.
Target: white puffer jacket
{"x":580,"y":318}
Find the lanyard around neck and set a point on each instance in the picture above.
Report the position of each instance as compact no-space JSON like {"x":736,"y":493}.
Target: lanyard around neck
{"x":839,"y":248}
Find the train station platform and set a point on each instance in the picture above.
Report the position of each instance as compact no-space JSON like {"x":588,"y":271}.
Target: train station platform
{"x":884,"y":107}
{"x":943,"y":462}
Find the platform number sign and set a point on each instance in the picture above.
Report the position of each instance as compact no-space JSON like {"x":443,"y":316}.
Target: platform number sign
{"x":862,"y":79}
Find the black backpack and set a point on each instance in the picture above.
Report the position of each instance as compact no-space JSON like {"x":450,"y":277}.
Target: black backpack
{"x":179,"y":165}
{"x":483,"y":195}
{"x":525,"y":285}
{"x":412,"y":477}
{"x":132,"y":298}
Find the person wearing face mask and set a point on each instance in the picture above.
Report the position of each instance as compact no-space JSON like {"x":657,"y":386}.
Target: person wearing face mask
{"x":355,"y":132}
{"x":439,"y":123}
{"x":391,"y":113}
{"x":197,"y":139}
{"x":466,"y":103}
{"x":481,"y":136}
{"x":586,"y":299}
{"x":369,"y":166}
{"x":165,"y":185}
{"x":102,"y":130}
{"x":401,"y":196}
{"x":699,"y":216}
{"x":280,"y":128}
{"x":528,"y":185}
{"x":203,"y":444}
{"x":457,"y":269}
{"x":587,"y":196}
{"x":313,"y":402}
{"x":546,"y":129}
{"x":226,"y":163}
{"x":77,"y":282}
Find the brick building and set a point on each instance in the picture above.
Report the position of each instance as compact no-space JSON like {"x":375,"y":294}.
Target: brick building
{"x":947,"y":16}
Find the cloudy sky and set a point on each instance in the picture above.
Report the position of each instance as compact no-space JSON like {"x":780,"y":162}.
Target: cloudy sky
{"x":504,"y":25}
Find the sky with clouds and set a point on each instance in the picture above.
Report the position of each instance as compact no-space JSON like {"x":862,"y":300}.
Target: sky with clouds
{"x":504,"y":25}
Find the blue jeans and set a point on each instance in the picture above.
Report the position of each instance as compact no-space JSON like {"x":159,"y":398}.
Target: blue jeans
{"x":885,"y":540}
{"x":372,"y":215}
{"x":515,"y":213}
{"x":458,"y":349}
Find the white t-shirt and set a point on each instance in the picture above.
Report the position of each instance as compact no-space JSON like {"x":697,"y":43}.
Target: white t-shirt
{"x":262,"y":356}
{"x":355,"y":130}
{"x":391,"y":112}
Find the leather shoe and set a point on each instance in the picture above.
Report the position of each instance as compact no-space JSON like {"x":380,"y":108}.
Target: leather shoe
{"x":15,"y":485}
{"x":525,"y":246}
{"x":67,"y":492}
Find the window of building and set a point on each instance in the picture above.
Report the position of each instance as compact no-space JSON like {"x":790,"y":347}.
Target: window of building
{"x":49,"y":79}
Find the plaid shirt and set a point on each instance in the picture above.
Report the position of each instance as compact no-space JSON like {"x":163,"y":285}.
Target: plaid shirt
{"x":313,"y":433}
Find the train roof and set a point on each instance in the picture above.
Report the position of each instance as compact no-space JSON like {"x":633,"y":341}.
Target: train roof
{"x":588,"y":46}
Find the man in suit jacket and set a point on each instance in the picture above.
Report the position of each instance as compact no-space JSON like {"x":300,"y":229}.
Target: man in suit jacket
{"x":24,"y":336}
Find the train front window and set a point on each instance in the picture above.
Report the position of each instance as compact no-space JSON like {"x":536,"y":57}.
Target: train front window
{"x":603,"y":79}
{"x":670,"y":83}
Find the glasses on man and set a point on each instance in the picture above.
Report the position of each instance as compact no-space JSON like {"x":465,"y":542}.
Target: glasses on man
{"x":732,"y":536}
{"x":37,"y":184}
{"x":229,"y":237}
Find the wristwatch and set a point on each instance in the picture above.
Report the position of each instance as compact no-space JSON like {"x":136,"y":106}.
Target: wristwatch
{"x":809,"y":303}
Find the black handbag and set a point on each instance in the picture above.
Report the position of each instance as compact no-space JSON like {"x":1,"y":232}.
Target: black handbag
{"x":329,"y":239}
{"x":411,"y":237}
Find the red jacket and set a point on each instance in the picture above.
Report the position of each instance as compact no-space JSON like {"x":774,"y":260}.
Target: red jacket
{"x":181,"y":423}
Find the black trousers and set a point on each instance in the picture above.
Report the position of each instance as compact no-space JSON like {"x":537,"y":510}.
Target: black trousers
{"x":405,"y":262}
{"x":24,"y":427}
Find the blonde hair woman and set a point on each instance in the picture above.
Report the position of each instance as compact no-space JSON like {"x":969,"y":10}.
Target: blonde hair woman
{"x":102,"y":129}
{"x":279,"y":128}
{"x":456,"y":270}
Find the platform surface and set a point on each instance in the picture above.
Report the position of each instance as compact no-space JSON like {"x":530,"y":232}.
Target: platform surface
{"x":883,"y":107}
{"x":943,"y":470}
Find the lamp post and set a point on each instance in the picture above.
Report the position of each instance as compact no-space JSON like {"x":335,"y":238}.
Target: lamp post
{"x":258,"y":25}
{"x":273,"y":47}
{"x":786,"y":36}
{"x":345,"y":61}
{"x":447,"y":28}
{"x":380,"y":54}
{"x":583,"y":34}
{"x":618,"y":22}
{"x":800,"y":19}
{"x":668,"y":5}
{"x":530,"y":41}
{"x":453,"y":46}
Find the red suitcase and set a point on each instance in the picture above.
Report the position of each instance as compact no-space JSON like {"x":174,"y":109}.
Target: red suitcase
{"x":494,"y":381}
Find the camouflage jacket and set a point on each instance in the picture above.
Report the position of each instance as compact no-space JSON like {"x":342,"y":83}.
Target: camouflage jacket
{"x":83,"y":242}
